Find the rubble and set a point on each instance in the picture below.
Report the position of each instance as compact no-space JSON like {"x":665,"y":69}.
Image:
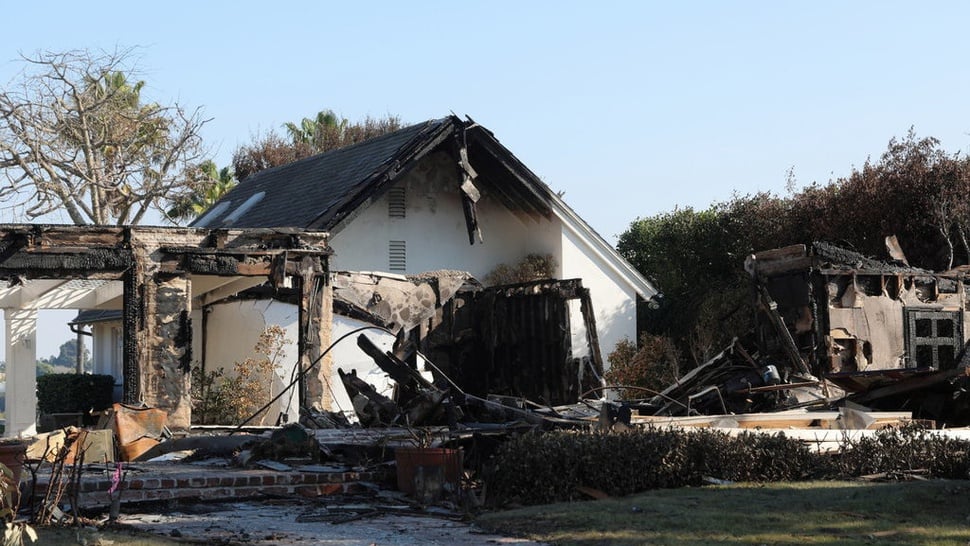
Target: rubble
{"x":470,"y":366}
{"x":879,"y":333}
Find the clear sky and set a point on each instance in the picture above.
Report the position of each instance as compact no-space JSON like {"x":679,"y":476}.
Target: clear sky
{"x":630,"y":108}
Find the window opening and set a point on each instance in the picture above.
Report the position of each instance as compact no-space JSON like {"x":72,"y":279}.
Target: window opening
{"x":933,"y":338}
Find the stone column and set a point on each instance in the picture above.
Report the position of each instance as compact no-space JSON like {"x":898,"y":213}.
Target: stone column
{"x":21,"y":353}
{"x":165,"y":373}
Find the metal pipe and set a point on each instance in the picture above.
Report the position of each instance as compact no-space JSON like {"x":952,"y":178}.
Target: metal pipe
{"x":705,"y":391}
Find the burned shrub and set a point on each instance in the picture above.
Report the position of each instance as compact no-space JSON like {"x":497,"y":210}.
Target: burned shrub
{"x":551,"y":467}
{"x":533,"y":469}
{"x":897,"y":451}
{"x":543,"y":468}
{"x":654,"y":365}
{"x":533,"y":267}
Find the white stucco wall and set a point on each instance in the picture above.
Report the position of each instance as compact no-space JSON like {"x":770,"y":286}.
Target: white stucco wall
{"x":106,"y":353}
{"x":233,"y":330}
{"x":230,"y":324}
{"x":614,"y":302}
{"x":434,"y":229}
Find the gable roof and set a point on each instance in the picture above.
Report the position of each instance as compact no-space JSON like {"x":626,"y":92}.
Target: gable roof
{"x":322,"y":191}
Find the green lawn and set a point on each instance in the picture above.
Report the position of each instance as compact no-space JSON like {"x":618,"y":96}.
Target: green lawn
{"x":932,"y":512}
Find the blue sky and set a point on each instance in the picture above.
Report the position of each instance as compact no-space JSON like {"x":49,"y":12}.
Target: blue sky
{"x":630,"y":108}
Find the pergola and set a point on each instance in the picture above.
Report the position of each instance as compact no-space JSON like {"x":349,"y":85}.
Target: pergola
{"x":155,"y":276}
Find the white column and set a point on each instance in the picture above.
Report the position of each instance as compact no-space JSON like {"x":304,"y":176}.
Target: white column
{"x":21,"y":337}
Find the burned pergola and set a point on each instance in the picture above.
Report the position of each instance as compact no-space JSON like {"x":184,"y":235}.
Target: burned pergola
{"x":156,"y":276}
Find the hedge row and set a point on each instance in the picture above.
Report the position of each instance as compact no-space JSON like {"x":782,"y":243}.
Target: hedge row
{"x":540,"y":468}
{"x":74,"y":393}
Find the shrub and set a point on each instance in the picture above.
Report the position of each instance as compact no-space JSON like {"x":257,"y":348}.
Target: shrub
{"x":74,"y":393}
{"x":906,"y":449}
{"x":655,"y":365}
{"x":217,"y":399}
{"x":533,"y":267}
{"x":540,"y":468}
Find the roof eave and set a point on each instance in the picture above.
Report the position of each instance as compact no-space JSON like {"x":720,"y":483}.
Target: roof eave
{"x":603,"y":250}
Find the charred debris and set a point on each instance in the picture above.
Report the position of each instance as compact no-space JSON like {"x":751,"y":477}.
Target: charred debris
{"x":465,"y":365}
{"x":835,"y":328}
{"x":449,"y":359}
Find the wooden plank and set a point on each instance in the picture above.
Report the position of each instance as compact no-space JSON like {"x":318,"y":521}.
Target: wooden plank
{"x":771,"y":269}
{"x":781,"y":420}
{"x":785,"y":252}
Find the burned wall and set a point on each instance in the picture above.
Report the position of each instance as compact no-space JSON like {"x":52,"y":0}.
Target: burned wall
{"x":880,"y":322}
{"x":854,"y":314}
{"x":515,"y":340}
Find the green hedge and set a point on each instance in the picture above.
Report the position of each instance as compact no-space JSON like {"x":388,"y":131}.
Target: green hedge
{"x":540,"y":468}
{"x":74,"y":393}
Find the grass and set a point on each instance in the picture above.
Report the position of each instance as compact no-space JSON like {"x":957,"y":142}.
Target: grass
{"x":931,"y":513}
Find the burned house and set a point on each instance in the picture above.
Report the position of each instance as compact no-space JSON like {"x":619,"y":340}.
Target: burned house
{"x":155,"y":279}
{"x":444,"y":194}
{"x":890,"y":335}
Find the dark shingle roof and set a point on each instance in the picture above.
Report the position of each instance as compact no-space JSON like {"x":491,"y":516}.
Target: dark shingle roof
{"x":92,"y":316}
{"x":317,"y":192}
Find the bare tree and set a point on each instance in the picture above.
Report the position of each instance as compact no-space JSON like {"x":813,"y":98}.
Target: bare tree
{"x":76,"y":136}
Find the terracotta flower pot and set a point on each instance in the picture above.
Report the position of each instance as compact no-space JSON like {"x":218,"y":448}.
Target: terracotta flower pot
{"x":424,"y":471}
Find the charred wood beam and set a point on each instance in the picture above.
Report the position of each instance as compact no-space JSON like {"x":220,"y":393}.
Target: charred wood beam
{"x":471,"y":219}
{"x":75,"y":263}
{"x":397,"y":369}
{"x":40,"y":235}
{"x":910,"y":385}
{"x":778,"y":323}
{"x":592,"y":338}
{"x":383,"y":409}
{"x":273,"y":265}
{"x":563,"y":288}
{"x":469,"y":192}
{"x":132,"y":322}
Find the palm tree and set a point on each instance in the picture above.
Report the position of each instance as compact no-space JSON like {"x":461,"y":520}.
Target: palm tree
{"x":214,"y":183}
{"x":313,"y":130}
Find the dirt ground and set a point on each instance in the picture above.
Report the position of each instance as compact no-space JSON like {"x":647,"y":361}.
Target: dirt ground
{"x":311,"y":523}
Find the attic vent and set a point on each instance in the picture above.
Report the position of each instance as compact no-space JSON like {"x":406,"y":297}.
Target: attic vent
{"x":396,"y":202}
{"x":397,"y":256}
{"x":242,"y":209}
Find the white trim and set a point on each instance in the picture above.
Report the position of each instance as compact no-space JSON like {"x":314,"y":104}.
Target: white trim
{"x":603,"y":250}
